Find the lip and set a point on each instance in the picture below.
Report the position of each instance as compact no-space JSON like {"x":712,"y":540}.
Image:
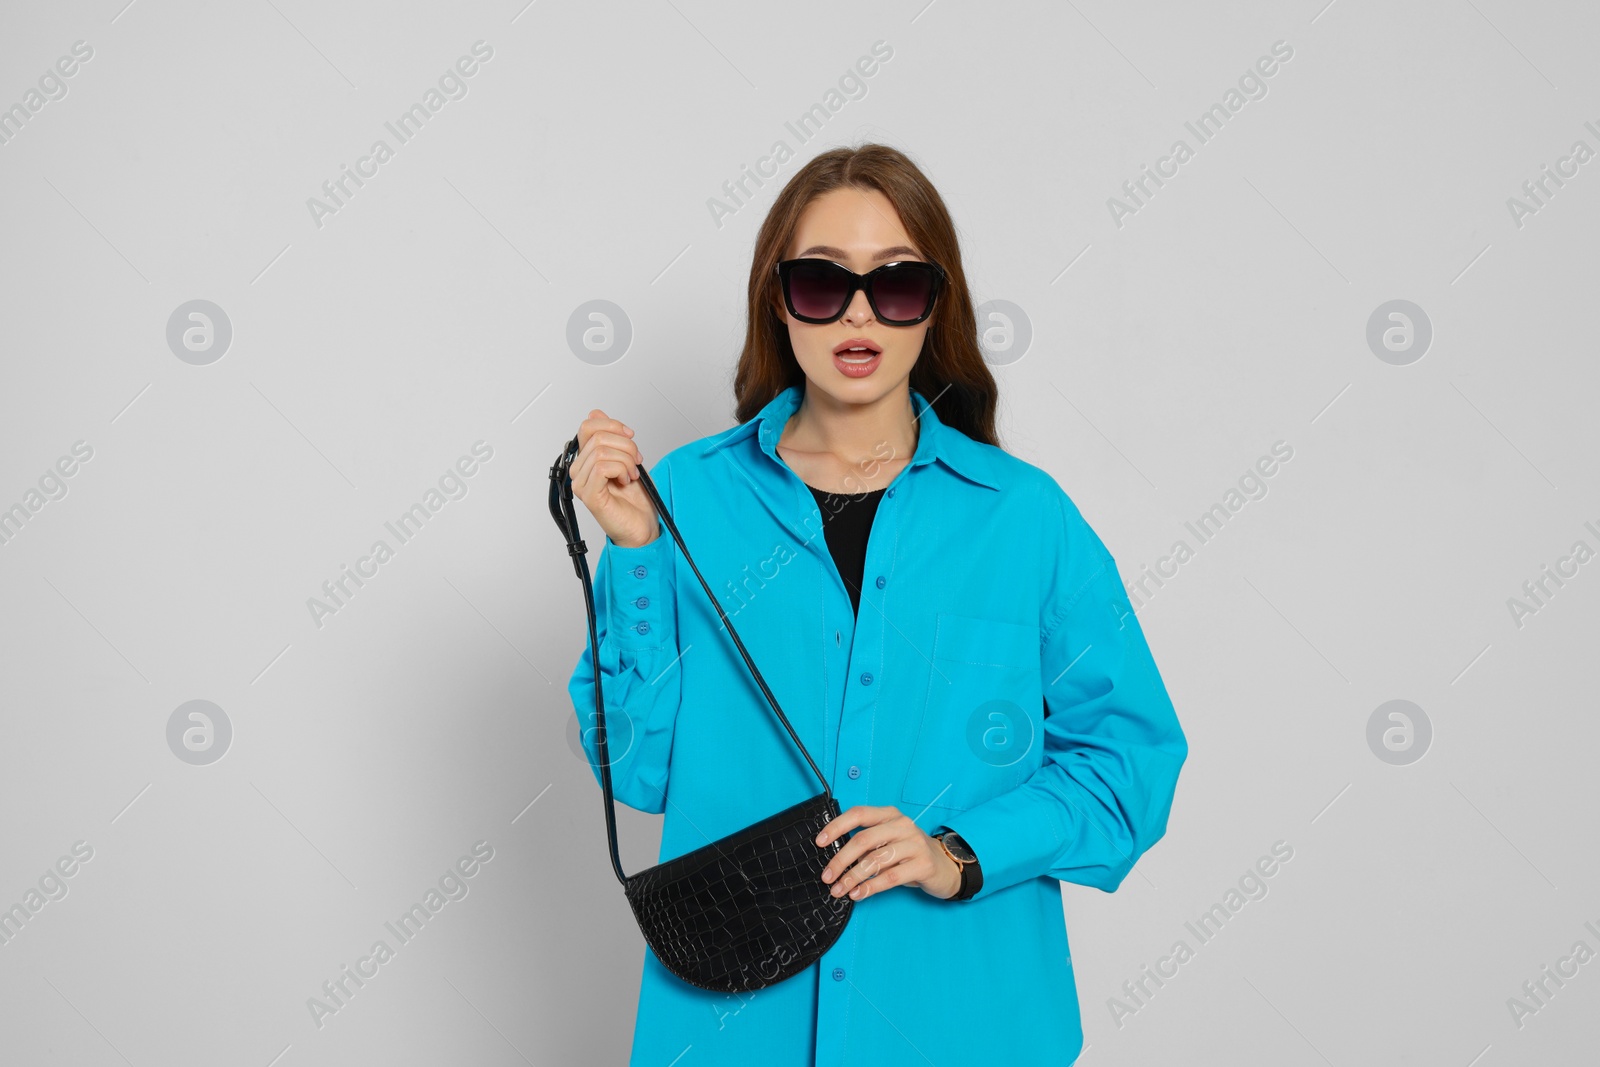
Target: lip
{"x":858,"y":370}
{"x":858,"y":342}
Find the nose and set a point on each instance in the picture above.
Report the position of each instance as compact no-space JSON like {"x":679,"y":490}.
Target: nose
{"x":859,"y":310}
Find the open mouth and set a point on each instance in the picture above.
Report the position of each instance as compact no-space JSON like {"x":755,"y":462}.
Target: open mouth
{"x":856,"y":360}
{"x":857,"y":351}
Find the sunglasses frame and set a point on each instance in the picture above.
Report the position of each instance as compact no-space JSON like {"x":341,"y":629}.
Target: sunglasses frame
{"x":862,"y":282}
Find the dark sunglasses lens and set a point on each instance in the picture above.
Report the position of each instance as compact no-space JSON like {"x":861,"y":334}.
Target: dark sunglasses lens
{"x":903,"y":292}
{"x":817,"y":290}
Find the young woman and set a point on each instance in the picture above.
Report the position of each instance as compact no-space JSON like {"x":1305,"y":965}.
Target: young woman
{"x":944,"y":630}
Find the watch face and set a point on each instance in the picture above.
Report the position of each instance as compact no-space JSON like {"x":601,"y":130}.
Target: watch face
{"x":958,"y":848}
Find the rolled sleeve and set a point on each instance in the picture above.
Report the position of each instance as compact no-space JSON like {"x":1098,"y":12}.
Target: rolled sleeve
{"x":1113,"y":747}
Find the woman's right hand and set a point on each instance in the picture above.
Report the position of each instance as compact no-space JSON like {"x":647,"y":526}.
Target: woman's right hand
{"x":605,"y":478}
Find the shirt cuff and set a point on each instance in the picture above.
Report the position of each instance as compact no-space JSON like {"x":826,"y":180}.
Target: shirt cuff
{"x":1015,"y":836}
{"x":639,"y":581}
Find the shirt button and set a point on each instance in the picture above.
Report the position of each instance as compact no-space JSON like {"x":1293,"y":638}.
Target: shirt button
{"x":881,"y":582}
{"x":836,"y":637}
{"x":889,"y":493}
{"x":866,"y":679}
{"x":643,"y":627}
{"x":855,"y":772}
{"x":642,"y":602}
{"x":638,"y":572}
{"x":838,"y":974}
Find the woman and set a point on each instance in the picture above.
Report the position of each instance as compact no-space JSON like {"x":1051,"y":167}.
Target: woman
{"x":946,"y":633}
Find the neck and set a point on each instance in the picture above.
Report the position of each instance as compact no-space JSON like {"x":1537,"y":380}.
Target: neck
{"x":855,"y":433}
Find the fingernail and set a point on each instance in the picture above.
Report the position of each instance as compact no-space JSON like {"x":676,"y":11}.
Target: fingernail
{"x":822,"y":839}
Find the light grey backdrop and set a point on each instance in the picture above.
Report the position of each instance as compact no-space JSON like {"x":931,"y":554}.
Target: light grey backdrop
{"x":181,"y":480}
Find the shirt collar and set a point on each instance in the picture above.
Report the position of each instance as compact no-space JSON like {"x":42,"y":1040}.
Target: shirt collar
{"x":935,"y":439}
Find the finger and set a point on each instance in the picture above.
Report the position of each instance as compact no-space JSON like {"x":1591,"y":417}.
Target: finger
{"x":874,"y":866}
{"x":604,"y":435}
{"x":591,"y":475}
{"x":852,"y":850}
{"x":614,"y":444}
{"x":596,"y":413}
{"x":605,"y":472}
{"x":886,"y":878}
{"x":860,"y":815}
{"x":596,"y":420}
{"x":626,"y":453}
{"x":609,"y":436}
{"x":599,"y":421}
{"x":862,"y":843}
{"x":620,"y":449}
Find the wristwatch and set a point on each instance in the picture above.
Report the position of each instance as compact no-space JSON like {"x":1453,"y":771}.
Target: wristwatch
{"x":958,"y":850}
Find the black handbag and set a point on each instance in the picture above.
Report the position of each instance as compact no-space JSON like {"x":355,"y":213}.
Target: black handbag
{"x":747,"y":910}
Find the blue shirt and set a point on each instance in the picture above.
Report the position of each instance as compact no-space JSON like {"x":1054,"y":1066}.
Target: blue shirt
{"x":995,"y":681}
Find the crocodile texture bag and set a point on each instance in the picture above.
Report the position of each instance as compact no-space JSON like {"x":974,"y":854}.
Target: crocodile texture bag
{"x":750,"y":909}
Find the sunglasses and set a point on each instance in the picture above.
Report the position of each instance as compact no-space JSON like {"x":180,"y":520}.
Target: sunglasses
{"x":819,"y":290}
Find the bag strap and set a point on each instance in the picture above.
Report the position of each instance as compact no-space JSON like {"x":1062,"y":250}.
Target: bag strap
{"x":566,"y":519}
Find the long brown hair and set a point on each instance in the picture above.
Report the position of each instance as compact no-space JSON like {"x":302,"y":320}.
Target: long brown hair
{"x":950,"y":367}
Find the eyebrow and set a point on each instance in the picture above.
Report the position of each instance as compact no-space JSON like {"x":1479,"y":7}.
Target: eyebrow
{"x":829,"y":250}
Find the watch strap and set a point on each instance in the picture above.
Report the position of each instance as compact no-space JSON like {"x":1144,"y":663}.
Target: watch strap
{"x":971,"y":874}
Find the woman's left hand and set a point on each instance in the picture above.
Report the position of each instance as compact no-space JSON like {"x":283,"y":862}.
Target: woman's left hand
{"x":891,"y":850}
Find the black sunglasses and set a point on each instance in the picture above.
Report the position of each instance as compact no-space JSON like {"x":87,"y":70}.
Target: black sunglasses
{"x":819,"y":290}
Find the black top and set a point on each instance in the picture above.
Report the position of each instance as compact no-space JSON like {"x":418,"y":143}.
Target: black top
{"x":846,"y":523}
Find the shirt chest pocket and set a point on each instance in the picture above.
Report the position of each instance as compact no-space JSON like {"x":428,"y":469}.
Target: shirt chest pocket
{"x":981,"y":722}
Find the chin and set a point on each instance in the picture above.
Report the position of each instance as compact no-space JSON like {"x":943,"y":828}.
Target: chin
{"x":886,"y":379}
{"x":864,"y":391}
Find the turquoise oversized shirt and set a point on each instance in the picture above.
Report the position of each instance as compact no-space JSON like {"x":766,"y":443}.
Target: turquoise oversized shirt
{"x":996,"y":681}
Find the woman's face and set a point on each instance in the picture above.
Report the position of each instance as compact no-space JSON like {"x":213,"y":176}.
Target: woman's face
{"x":860,"y":229}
